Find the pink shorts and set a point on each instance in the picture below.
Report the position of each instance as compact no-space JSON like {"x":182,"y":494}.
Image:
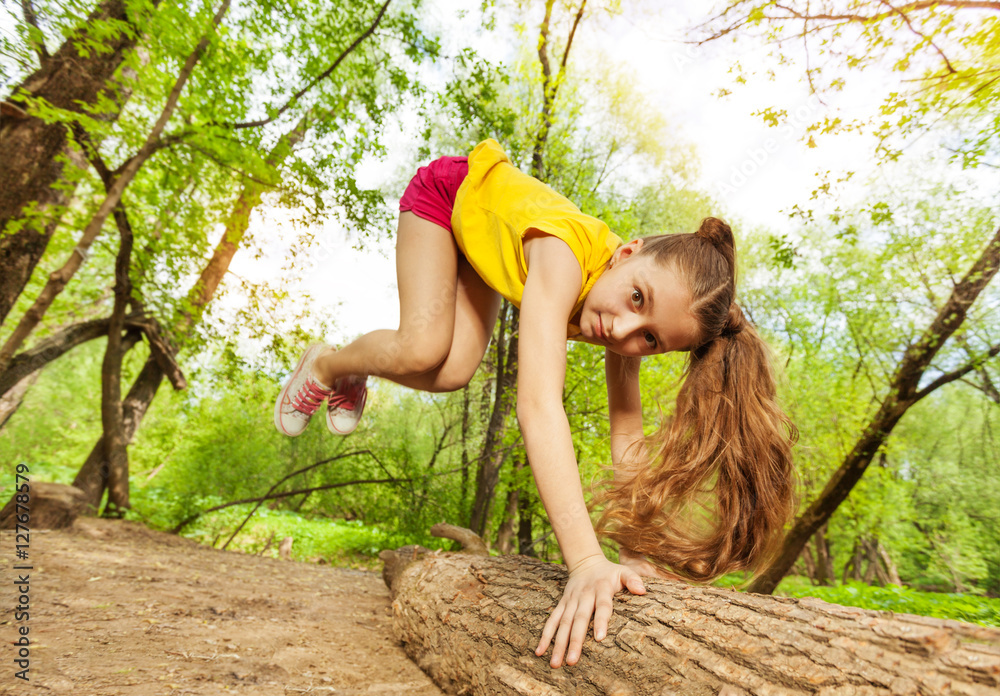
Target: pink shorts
{"x":431,"y":193}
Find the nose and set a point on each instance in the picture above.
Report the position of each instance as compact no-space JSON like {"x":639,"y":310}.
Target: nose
{"x":626,"y":326}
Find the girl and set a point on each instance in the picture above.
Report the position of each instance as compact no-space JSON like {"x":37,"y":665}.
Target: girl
{"x":474,"y":229}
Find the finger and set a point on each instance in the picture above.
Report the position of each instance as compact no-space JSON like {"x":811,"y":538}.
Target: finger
{"x":602,"y":615}
{"x":632,"y":582}
{"x":581,"y":622}
{"x":562,"y":635}
{"x":550,"y":628}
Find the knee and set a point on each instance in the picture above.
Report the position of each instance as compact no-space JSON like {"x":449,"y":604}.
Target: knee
{"x":452,"y":378}
{"x":417,"y":353}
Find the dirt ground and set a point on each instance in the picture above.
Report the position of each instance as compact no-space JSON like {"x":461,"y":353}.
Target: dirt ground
{"x":119,"y":609}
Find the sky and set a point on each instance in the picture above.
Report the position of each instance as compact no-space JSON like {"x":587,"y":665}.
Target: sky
{"x":755,"y":171}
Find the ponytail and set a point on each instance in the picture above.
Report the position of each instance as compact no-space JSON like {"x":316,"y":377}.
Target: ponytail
{"x":718,"y":487}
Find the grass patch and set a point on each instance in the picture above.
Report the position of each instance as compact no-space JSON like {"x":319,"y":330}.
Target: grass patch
{"x":902,"y":600}
{"x":337,"y":542}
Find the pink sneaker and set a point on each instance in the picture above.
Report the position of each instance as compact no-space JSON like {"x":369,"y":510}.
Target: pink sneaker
{"x":301,"y":396}
{"x":346,"y":404}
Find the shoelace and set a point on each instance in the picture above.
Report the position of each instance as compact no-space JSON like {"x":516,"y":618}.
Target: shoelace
{"x":346,"y":400}
{"x":308,"y":398}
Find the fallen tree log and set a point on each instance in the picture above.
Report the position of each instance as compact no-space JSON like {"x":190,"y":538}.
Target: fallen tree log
{"x":472,"y":622}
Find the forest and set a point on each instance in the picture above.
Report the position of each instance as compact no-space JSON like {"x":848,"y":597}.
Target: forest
{"x":174,"y":170}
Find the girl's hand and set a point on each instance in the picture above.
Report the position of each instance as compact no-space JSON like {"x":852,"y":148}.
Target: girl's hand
{"x":589,"y":591}
{"x":638,"y":563}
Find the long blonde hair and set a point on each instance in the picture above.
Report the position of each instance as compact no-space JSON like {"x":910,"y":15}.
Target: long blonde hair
{"x":717,"y":486}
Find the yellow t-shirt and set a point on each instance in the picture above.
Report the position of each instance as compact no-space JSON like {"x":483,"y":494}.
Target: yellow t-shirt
{"x":497,"y":204}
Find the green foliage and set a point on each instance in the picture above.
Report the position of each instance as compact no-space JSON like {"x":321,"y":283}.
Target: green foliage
{"x":841,"y":297}
{"x":901,"y":600}
{"x":333,"y":541}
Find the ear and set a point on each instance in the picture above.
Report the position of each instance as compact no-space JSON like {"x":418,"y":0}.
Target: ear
{"x":624,"y":251}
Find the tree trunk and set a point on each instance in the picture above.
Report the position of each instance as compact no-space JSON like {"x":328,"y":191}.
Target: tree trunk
{"x":516,"y":525}
{"x":93,"y":475}
{"x":10,"y":400}
{"x":809,"y":564}
{"x":70,"y":79}
{"x":891,"y":575}
{"x":112,"y":417}
{"x":493,"y":455}
{"x":471,"y":622}
{"x":505,"y":535}
{"x":525,"y":541}
{"x":902,"y":393}
{"x":825,"y":573}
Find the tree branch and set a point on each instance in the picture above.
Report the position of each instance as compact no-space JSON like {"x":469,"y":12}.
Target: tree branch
{"x":271,"y":495}
{"x":569,"y":41}
{"x":325,"y":74}
{"x":293,"y":474}
{"x":792,"y":13}
{"x":958,"y":373}
{"x":909,"y":24}
{"x":37,"y":37}
{"x":53,"y":347}
{"x":60,"y":278}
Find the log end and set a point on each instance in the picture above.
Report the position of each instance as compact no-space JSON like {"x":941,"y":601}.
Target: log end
{"x":394,"y":562}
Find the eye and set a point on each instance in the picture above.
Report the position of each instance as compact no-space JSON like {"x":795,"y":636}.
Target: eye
{"x":636,"y":298}
{"x":650,"y":340}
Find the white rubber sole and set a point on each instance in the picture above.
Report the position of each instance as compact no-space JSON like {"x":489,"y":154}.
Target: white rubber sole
{"x":312,"y":350}
{"x":336,"y":431}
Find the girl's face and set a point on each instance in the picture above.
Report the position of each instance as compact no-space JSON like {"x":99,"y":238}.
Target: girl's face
{"x":638,"y":307}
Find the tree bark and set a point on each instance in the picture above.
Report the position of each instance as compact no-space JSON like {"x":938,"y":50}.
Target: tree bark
{"x":118,"y":183}
{"x":493,"y":455}
{"x":11,"y":399}
{"x":471,"y":623}
{"x":71,"y":79}
{"x":93,"y":475}
{"x":903,"y":392}
{"x":112,"y":415}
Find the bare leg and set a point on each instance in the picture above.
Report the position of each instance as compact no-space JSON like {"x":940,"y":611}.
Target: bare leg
{"x":426,"y":275}
{"x":446,"y":311}
{"x":476,"y":309}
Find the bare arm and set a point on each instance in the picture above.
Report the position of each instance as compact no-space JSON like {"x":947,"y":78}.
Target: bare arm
{"x":624,"y":411}
{"x":553,"y":284}
{"x":549,"y":295}
{"x":627,"y":441}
